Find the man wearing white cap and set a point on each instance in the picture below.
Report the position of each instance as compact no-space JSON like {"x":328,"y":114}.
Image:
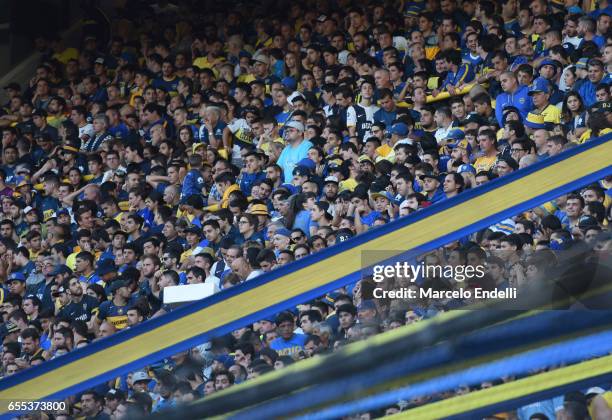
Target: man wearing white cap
{"x":296,"y":150}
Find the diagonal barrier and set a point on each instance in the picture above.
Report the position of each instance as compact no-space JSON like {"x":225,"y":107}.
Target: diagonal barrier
{"x":404,"y":357}
{"x":517,"y":393}
{"x":573,"y":351}
{"x":310,"y":277}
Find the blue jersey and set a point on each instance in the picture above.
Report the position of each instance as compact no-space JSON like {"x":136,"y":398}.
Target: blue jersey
{"x":476,"y":61}
{"x":168,"y":85}
{"x":113,"y":314}
{"x":587,"y":92}
{"x":465,"y":74}
{"x":120,"y":131}
{"x":519,"y":99}
{"x":246,"y":181}
{"x":192,"y":184}
{"x":370,"y":218}
{"x":289,"y":347}
{"x":386,"y":117}
{"x":282,"y":118}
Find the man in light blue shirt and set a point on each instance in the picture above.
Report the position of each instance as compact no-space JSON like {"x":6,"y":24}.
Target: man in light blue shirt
{"x":296,"y":149}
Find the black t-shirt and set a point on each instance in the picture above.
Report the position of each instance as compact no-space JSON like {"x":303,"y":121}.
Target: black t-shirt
{"x":82,"y":311}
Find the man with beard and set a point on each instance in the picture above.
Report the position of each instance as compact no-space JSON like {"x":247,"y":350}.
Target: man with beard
{"x":81,"y":306}
{"x":330,"y":189}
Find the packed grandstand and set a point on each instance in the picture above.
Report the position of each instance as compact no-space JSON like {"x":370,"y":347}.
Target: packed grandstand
{"x":182,"y":144}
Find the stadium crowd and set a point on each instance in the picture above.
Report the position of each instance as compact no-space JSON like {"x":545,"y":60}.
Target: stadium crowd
{"x":182,"y":150}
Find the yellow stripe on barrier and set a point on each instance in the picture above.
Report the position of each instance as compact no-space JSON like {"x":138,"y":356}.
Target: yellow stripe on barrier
{"x":446,"y":94}
{"x":314,"y":276}
{"x":509,"y":391}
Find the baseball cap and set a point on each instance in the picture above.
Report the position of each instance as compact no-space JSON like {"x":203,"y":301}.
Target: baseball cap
{"x":22,"y":181}
{"x":283,"y":232}
{"x":539,"y":84}
{"x":260,"y":58}
{"x":99,"y":60}
{"x":105,"y":267}
{"x":38,"y":112}
{"x":455,"y":134}
{"x":535,"y":121}
{"x":225,"y":359}
{"x":383,"y":194}
{"x":596,"y":390}
{"x":331,"y":179}
{"x":412,"y":11}
{"x":259,"y":210}
{"x":587,"y":222}
{"x":301,"y":171}
{"x":59,"y":292}
{"x":510,"y":161}
{"x":17,"y":276}
{"x":400,"y":129}
{"x":61,"y":269}
{"x":582,"y":63}
{"x":429,"y":174}
{"x":13,"y":86}
{"x":568,"y":47}
{"x":115,"y":394}
{"x":466,"y":167}
{"x":474,"y":118}
{"x":601,"y":106}
{"x":295,"y":124}
{"x":118,"y":284}
{"x":549,"y":62}
{"x":463,"y":144}
{"x":140,"y":376}
{"x":8,"y":328}
{"x":307,"y":163}
{"x":343,"y":235}
{"x":365,"y":158}
{"x":290,"y":83}
{"x":28,"y":209}
{"x":193,"y":229}
{"x":330,"y":298}
{"x":62,"y":212}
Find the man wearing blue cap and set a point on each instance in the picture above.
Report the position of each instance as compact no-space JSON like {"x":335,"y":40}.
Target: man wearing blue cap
{"x":17,"y":284}
{"x":548,"y":69}
{"x":431,"y":187}
{"x":398,"y":131}
{"x":540,"y":94}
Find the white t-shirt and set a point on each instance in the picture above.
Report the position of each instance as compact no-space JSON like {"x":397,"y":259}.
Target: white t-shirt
{"x":85,"y":134}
